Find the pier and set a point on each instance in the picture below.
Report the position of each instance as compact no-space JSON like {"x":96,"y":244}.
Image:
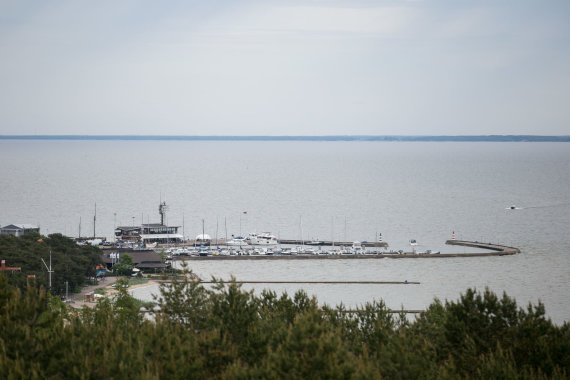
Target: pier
{"x":495,"y":250}
{"x":378,"y":244}
{"x":315,"y":282}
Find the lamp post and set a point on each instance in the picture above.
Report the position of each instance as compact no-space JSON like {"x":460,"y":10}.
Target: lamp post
{"x":49,"y":269}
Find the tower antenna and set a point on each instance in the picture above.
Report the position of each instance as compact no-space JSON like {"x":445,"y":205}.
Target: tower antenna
{"x":162,"y":208}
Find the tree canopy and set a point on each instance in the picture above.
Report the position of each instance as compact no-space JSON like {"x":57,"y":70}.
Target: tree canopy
{"x":226,"y":332}
{"x":70,"y":262}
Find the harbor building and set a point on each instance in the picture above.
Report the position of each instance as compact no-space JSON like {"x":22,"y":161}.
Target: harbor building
{"x":151,"y":232}
{"x":18,"y":229}
{"x":146,"y":260}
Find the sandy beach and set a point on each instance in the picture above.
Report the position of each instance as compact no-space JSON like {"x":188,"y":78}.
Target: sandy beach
{"x":105,"y":283}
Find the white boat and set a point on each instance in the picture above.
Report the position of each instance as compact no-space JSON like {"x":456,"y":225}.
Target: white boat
{"x":259,"y":251}
{"x":224,"y":252}
{"x":265,"y":238}
{"x":297,"y":250}
{"x":238,"y":241}
{"x":309,"y":251}
{"x":180,"y":252}
{"x":357,"y":248}
{"x":413,"y":242}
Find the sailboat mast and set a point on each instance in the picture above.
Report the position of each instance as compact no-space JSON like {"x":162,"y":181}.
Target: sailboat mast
{"x":332,"y":230}
{"x":226,"y":228}
{"x":94,"y":220}
{"x":216,"y":230}
{"x":301,"y":228}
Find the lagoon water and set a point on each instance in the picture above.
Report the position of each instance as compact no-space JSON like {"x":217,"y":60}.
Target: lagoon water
{"x":320,"y":190}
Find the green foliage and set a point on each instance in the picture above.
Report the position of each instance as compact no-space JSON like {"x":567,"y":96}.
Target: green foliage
{"x":138,"y":280}
{"x":185,"y":302}
{"x":226,"y":332}
{"x":125,"y":266}
{"x":70,"y":262}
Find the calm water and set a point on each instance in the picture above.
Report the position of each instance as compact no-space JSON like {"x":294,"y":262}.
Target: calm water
{"x":339,"y":190}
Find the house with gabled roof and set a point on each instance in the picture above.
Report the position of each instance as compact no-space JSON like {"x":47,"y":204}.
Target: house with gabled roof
{"x":18,"y":229}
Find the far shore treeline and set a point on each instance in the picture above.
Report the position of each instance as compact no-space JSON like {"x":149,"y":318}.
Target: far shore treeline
{"x":225,"y":332}
{"x":461,"y":138}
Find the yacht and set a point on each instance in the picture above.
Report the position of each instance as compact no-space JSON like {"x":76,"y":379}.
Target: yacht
{"x":264,"y":238}
{"x":237,"y":241}
{"x":357,"y":248}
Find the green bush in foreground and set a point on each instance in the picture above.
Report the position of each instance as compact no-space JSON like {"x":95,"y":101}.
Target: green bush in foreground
{"x":226,"y":332}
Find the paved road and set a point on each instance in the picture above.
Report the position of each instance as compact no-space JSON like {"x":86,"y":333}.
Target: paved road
{"x":78,"y":298}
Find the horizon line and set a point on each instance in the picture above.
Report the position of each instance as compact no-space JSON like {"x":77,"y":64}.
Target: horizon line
{"x":471,"y":138}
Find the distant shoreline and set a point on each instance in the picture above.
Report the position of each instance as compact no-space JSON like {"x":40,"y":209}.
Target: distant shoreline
{"x":474,"y":138}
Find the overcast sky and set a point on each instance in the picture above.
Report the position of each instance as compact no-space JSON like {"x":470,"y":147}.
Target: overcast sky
{"x":285,"y":67}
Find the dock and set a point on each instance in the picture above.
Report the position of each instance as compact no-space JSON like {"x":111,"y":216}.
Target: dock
{"x":495,"y":250}
{"x":378,"y":244}
{"x":315,"y":282}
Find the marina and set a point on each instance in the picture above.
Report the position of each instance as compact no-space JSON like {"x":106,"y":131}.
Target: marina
{"x":492,"y":250}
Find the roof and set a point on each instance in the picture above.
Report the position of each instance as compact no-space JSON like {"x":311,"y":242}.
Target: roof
{"x":139,"y":257}
{"x":128,"y":228}
{"x":20,"y":227}
{"x":158,"y":225}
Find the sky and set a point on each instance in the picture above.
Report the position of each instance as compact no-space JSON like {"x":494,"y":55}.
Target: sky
{"x":320,"y":67}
